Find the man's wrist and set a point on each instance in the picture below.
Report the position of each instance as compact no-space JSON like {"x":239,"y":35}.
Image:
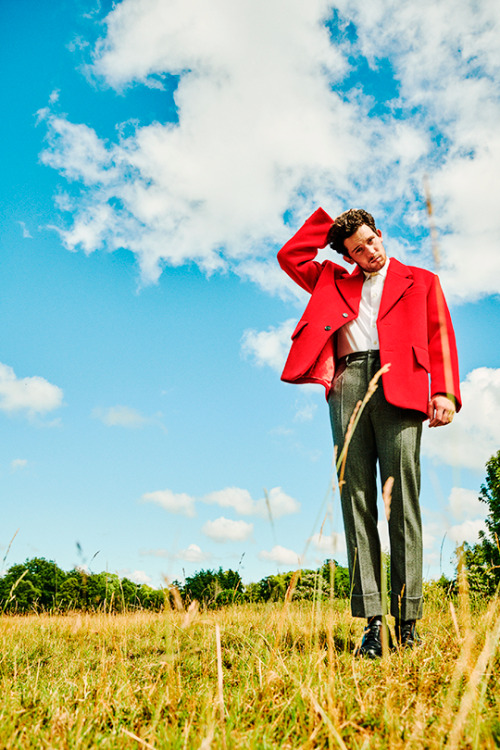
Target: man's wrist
{"x":449,"y":396}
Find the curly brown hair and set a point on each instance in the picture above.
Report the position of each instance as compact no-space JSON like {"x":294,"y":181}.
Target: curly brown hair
{"x":346,"y":225}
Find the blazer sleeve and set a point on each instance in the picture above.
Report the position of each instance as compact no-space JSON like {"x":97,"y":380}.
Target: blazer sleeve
{"x":297,"y":256}
{"x":442,"y":346}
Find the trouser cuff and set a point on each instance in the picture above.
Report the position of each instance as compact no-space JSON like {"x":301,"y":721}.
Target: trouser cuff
{"x":367,"y":605}
{"x":406,"y":608}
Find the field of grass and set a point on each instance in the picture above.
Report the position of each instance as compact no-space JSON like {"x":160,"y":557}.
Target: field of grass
{"x":248,"y":676}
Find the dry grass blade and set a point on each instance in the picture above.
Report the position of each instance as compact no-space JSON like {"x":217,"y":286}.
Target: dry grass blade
{"x":77,"y":680}
{"x":383,"y":596}
{"x":269,"y":512}
{"x":138,"y":739}
{"x":387,"y":496}
{"x":355,"y":417}
{"x":292,"y":585}
{"x":13,"y":588}
{"x":334,"y":731}
{"x":220,"y":685}
{"x":455,"y":621}
{"x":480,"y":672}
{"x":176,"y":596}
{"x":341,"y":461}
{"x":220,"y":676}
{"x":8,"y":550}
{"x":432,"y":224}
{"x":441,"y":305}
{"x":288,"y":598}
{"x":191,"y":614}
{"x":463,"y":591}
{"x":206,"y":743}
{"x":466,"y":639}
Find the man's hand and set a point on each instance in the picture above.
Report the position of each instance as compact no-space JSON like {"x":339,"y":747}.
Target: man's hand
{"x":441,"y":410}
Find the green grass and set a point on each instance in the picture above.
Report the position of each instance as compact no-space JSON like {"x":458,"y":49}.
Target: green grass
{"x":288,"y":680}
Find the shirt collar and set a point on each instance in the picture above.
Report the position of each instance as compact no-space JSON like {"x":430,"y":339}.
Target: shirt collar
{"x":382,"y":272}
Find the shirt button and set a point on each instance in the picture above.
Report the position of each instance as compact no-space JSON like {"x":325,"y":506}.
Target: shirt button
{"x":328,"y":328}
{"x":344,"y":315}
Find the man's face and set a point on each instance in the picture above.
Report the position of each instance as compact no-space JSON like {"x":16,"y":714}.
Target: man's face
{"x":365,"y":248}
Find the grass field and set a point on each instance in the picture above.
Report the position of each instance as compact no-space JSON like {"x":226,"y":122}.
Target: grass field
{"x":283,"y":676}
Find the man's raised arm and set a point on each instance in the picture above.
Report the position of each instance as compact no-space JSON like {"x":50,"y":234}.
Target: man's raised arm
{"x":297,"y":256}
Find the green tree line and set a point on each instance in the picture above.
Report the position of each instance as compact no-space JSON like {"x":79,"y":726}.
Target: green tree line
{"x":482,"y":560}
{"x":40,"y":585}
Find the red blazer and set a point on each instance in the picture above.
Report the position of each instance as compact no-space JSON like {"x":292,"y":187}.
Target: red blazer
{"x":414,"y":326}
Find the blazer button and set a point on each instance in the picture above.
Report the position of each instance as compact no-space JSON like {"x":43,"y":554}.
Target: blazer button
{"x":328,"y":328}
{"x":345,"y":315}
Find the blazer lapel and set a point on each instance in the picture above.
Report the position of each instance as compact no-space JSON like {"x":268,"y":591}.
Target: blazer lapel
{"x":399,"y":278}
{"x":350,"y":288}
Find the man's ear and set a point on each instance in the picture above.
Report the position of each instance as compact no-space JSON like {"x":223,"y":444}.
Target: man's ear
{"x":379,"y":233}
{"x":349,"y":260}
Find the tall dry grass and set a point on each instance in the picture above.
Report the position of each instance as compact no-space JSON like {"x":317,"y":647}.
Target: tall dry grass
{"x":250,"y":676}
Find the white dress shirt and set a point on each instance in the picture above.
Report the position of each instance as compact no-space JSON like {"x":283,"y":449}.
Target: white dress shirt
{"x":361,"y":334}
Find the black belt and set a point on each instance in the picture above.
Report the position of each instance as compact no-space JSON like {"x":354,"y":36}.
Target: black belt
{"x":358,"y":355}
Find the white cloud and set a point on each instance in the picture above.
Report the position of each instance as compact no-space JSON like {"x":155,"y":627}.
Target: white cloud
{"x":137,"y":576}
{"x":432,"y":532}
{"x":232,"y":497}
{"x":281,"y":556}
{"x":474,"y":434}
{"x":77,"y":152}
{"x":447,"y":527}
{"x":26,"y":232}
{"x":282,"y":431}
{"x":306,"y":412}
{"x":268,"y":276}
{"x":448,"y":74}
{"x":330,"y":544}
{"x":18,"y":463}
{"x":269,"y":347}
{"x":467,"y":531}
{"x":277,"y":504}
{"x":180,"y":503}
{"x":225,"y":530}
{"x":193,"y":553}
{"x":33,"y":395}
{"x":155,"y":553}
{"x":274,"y":116}
{"x":255,"y":133}
{"x":465,"y":504}
{"x":120,"y":416}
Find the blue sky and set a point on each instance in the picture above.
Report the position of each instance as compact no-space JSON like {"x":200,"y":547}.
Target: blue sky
{"x":155,"y":156}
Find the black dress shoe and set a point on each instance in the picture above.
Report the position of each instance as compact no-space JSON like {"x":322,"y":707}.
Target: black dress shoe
{"x":406,"y":633}
{"x":371,"y":645}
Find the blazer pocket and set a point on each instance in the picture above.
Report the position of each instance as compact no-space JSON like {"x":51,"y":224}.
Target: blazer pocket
{"x":422,"y":357}
{"x":300,"y":325}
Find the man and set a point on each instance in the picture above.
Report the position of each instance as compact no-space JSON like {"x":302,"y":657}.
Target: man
{"x":384,"y":314}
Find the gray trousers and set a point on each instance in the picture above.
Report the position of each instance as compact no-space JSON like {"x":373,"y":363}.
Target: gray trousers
{"x":390,"y":436}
